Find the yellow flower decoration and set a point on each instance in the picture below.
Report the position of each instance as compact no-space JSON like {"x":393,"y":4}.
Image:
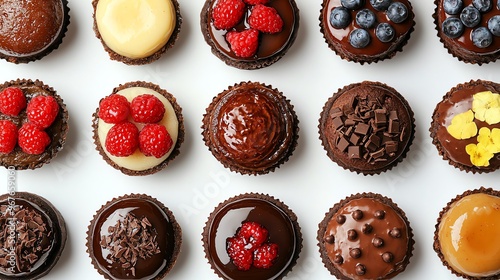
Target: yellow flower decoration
{"x":479,"y":154}
{"x":463,"y":126}
{"x":490,"y":138}
{"x":486,"y":106}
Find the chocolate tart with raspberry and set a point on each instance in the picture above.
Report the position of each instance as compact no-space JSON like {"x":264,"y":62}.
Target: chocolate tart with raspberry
{"x":252,"y":236}
{"x":469,"y":29}
{"x":365,"y":236}
{"x":33,"y":124}
{"x":134,"y":237}
{"x":466,"y":235}
{"x":154,"y":29}
{"x":34,"y":239}
{"x":466,"y":125}
{"x":367,"y":127}
{"x":366,"y":31}
{"x":32,"y":29}
{"x":251,"y":128}
{"x":138,"y":128}
{"x":249,"y":34}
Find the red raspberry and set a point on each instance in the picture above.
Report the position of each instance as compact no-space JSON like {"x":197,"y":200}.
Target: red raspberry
{"x":32,"y":139}
{"x":122,"y":139}
{"x":8,"y":136}
{"x":265,"y":256}
{"x":265,"y":19}
{"x":256,"y":2}
{"x":12,"y":101}
{"x":254,"y":234}
{"x":227,"y":13}
{"x":147,"y":108}
{"x":245,"y":43}
{"x":236,"y":249}
{"x":154,"y":140}
{"x":42,"y":110}
{"x":114,"y":109}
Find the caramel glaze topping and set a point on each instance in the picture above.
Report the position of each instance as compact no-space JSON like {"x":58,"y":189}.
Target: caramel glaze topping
{"x":367,"y":239}
{"x":29,"y":27}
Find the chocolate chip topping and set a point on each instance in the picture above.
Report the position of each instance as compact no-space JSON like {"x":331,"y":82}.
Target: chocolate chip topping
{"x":380,"y":214}
{"x":387,"y":257}
{"x":338,"y":259}
{"x":360,"y":269}
{"x":355,"y":253}
{"x":330,"y":239}
{"x":367,"y":229}
{"x":357,"y":215}
{"x":341,"y":219}
{"x":395,"y":232}
{"x":377,"y":242}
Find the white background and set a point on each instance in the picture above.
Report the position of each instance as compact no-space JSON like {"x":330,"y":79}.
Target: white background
{"x":78,"y":181}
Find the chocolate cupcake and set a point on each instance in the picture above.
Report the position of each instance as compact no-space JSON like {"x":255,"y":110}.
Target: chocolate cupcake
{"x":32,"y":29}
{"x":465,"y":126}
{"x":466,"y":237}
{"x":469,"y":29}
{"x":134,"y":237}
{"x":268,"y":29}
{"x":366,"y":31}
{"x":33,"y":124}
{"x":367,"y":127}
{"x":365,"y":236}
{"x":154,"y":28}
{"x":138,"y":128}
{"x":34,"y":236}
{"x":251,"y":128}
{"x":252,"y":236}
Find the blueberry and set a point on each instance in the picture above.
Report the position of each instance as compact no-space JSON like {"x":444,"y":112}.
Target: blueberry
{"x":340,"y":17}
{"x":482,"y":5}
{"x":470,"y":16}
{"x":453,"y":27}
{"x":380,"y":5}
{"x":385,"y":32}
{"x":397,"y":12}
{"x":452,"y":7}
{"x":494,"y":25}
{"x":365,"y":18}
{"x":359,"y":38}
{"x":481,"y":37}
{"x":352,"y":4}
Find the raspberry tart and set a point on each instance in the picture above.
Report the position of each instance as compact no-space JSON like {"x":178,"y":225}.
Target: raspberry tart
{"x":249,"y":34}
{"x":137,"y":32}
{"x":33,"y":124}
{"x":138,"y":128}
{"x":252,"y":236}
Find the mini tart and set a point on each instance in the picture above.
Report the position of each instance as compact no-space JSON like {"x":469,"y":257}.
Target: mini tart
{"x":156,"y":235}
{"x":455,"y":102}
{"x":365,"y":236}
{"x":466,"y":237}
{"x":57,"y":131}
{"x":367,"y":127}
{"x":376,"y":50}
{"x":160,"y":21}
{"x":272,"y":47}
{"x":251,"y":128}
{"x":138,"y":164}
{"x":37,"y":218}
{"x":32,"y":29}
{"x":269,"y":212}
{"x":462,"y":47}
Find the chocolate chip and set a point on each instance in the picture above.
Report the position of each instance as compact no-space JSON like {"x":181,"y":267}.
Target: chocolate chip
{"x":354,"y":139}
{"x":367,"y":228}
{"x":338,"y":123}
{"x":355,"y":253}
{"x":343,"y":144}
{"x":377,"y":242}
{"x":352,"y":234}
{"x":338,"y":259}
{"x":336,"y":112}
{"x":362,"y":129}
{"x":357,"y":215}
{"x":380,"y":214}
{"x":360,"y":269}
{"x":395,"y":232}
{"x":354,"y":152}
{"x":330,"y":239}
{"x":340,"y":219}
{"x":387,"y":257}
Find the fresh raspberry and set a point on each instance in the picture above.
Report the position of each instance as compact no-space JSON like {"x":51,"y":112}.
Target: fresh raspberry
{"x":245,"y":43}
{"x":227,"y":13}
{"x":147,"y":108}
{"x":265,"y":255}
{"x":154,"y":140}
{"x":8,"y":136}
{"x":240,"y":256}
{"x":122,"y":139}
{"x":265,"y":19}
{"x":254,"y":234}
{"x":256,"y":2}
{"x":12,"y":101}
{"x":114,"y":108}
{"x":42,"y":110}
{"x":32,"y":139}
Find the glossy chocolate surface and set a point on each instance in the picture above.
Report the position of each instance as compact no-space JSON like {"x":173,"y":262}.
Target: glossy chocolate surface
{"x":145,"y":268}
{"x":228,"y":218}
